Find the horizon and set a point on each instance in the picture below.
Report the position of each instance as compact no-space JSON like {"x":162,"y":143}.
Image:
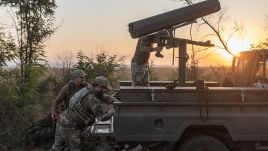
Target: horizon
{"x":94,"y":26}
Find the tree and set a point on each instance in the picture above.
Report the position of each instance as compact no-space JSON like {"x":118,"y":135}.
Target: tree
{"x":218,"y":31}
{"x":7,"y":49}
{"x":64,"y":64}
{"x":19,"y":97}
{"x":152,"y":73}
{"x":260,"y":44}
{"x":33,"y":23}
{"x":102,"y":65}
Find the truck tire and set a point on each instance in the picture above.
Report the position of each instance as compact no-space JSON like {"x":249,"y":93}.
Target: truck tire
{"x":203,"y":143}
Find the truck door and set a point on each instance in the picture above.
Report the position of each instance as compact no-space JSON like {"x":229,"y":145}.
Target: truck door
{"x":245,"y":67}
{"x":261,"y":79}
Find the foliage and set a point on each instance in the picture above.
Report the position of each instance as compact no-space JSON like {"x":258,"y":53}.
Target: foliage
{"x":103,"y":65}
{"x":215,"y":73}
{"x":22,"y":95}
{"x":173,"y":75}
{"x":192,"y":71}
{"x":260,"y":44}
{"x":16,"y":107}
{"x":7,"y":49}
{"x":152,"y":73}
{"x":33,"y":25}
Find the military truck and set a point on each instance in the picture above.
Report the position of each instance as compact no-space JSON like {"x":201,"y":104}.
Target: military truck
{"x":204,"y":117}
{"x":199,"y":116}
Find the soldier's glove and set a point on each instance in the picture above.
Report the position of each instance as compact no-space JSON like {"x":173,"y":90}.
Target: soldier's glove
{"x":107,"y":115}
{"x":55,"y":117}
{"x":158,"y":54}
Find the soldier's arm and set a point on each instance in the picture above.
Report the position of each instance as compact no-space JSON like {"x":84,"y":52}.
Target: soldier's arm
{"x":150,"y":49}
{"x":109,"y":99}
{"x":108,"y":115}
{"x":59,"y":99}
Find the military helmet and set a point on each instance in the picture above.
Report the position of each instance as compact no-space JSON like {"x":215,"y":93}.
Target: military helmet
{"x":78,"y":73}
{"x":101,"y":80}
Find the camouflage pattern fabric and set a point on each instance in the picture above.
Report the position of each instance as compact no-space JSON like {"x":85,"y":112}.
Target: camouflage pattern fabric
{"x":67,"y":133}
{"x":142,"y":52}
{"x":79,"y":95}
{"x":139,"y":74}
{"x":71,"y":122}
{"x":139,"y":63}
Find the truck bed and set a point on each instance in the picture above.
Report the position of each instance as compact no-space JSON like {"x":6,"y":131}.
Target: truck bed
{"x":160,"y":114}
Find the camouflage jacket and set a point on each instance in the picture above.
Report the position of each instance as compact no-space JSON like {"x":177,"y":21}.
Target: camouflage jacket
{"x":85,"y":110}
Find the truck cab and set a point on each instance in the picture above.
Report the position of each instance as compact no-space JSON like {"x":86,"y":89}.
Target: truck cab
{"x":250,"y":68}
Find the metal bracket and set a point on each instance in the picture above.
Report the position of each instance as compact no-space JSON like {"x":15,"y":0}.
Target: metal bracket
{"x":243,"y":95}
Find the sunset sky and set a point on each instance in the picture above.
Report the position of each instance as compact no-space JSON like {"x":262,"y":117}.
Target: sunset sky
{"x":95,"y":25}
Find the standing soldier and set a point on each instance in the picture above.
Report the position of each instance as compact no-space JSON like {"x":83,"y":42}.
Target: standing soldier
{"x":81,"y":113}
{"x":68,"y":90}
{"x":139,"y":63}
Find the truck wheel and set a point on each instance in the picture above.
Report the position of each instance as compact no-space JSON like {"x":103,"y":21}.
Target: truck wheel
{"x":203,"y":143}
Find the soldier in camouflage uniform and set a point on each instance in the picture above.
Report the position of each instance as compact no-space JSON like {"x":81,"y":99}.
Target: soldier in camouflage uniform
{"x":81,"y":113}
{"x":139,"y":63}
{"x":74,"y":85}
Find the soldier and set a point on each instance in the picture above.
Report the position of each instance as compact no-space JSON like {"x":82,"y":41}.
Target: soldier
{"x":139,"y":63}
{"x":77,"y":83}
{"x":81,"y":113}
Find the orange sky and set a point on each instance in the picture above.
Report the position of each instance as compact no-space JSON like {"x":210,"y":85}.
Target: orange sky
{"x":94,"y":25}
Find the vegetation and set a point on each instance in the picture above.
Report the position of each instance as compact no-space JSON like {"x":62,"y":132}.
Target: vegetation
{"x":102,"y":65}
{"x":26,"y":90}
{"x":21,"y":98}
{"x":7,"y":49}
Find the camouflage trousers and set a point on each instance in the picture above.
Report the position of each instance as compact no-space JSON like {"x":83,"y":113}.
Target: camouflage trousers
{"x":139,"y":74}
{"x":67,"y":134}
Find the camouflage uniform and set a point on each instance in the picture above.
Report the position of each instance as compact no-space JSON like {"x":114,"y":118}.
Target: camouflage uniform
{"x":86,"y":106}
{"x":139,"y":63}
{"x":65,"y":95}
{"x":68,"y":91}
{"x":139,"y":74}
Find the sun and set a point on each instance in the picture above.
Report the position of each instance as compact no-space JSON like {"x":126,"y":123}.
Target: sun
{"x":235,"y":46}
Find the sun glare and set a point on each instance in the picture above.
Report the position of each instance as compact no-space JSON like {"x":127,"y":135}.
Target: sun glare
{"x":235,"y":46}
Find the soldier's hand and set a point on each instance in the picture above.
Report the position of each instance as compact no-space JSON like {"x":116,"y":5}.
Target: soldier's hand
{"x":158,"y":54}
{"x":55,"y":116}
{"x":159,"y":48}
{"x":108,"y":115}
{"x":113,"y":99}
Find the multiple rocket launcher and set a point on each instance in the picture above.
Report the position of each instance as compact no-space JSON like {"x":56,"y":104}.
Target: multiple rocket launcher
{"x":174,"y":18}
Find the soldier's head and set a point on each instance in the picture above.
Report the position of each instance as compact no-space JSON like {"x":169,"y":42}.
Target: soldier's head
{"x":101,"y":84}
{"x":79,"y":77}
